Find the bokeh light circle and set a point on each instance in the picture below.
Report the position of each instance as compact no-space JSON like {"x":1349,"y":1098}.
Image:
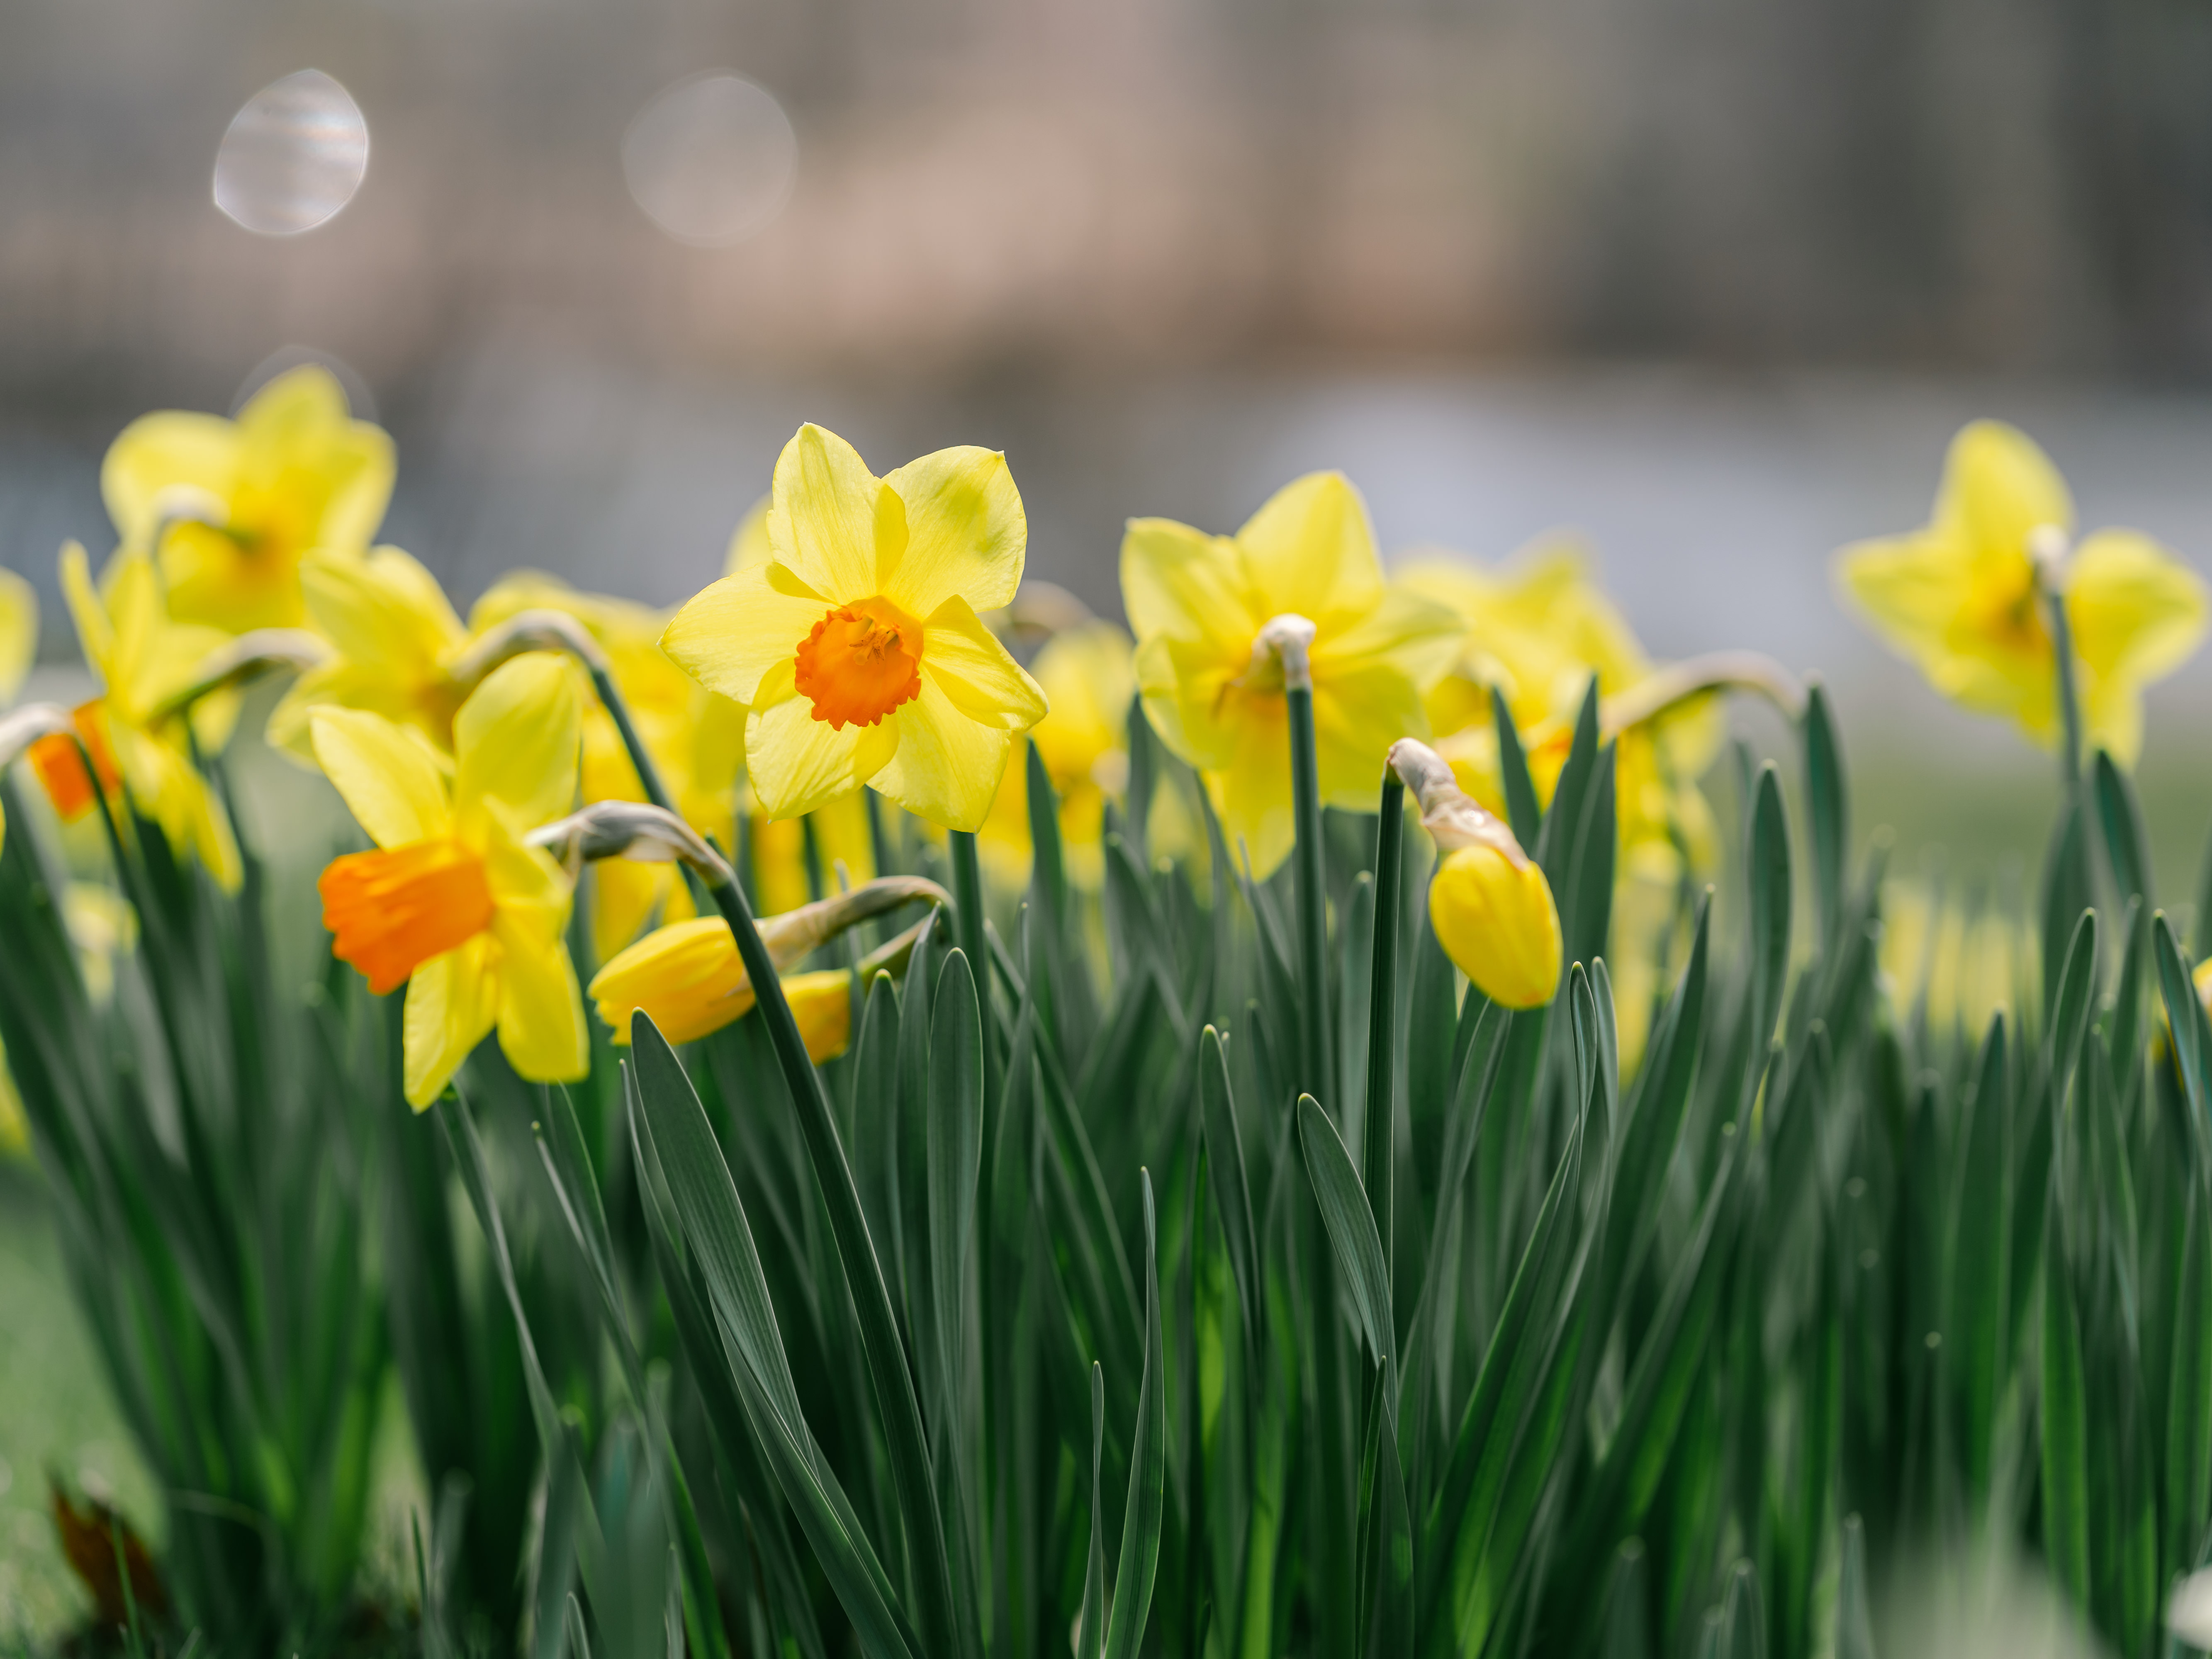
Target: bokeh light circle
{"x":293,"y":156}
{"x":711,"y":159}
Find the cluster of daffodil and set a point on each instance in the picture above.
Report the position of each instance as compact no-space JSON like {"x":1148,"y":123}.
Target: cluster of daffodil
{"x":848,"y":649}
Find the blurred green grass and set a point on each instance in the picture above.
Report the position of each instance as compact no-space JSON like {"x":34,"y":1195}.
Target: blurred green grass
{"x":55,"y":1413}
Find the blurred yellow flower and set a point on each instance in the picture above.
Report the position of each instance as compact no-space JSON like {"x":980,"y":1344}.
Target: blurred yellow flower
{"x":687,"y":977}
{"x":393,"y":637}
{"x":19,"y":632}
{"x":839,"y":829}
{"x":1083,"y":741}
{"x":1198,"y":604}
{"x":452,"y":903}
{"x":1537,"y":631}
{"x":1489,"y":901}
{"x":242,"y":500}
{"x":857,"y":647}
{"x":144,"y":659}
{"x":695,"y":739}
{"x":1959,"y":595}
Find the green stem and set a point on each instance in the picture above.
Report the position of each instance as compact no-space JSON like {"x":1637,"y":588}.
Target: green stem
{"x":2069,"y":697}
{"x":872,"y":1301}
{"x":1312,"y":903}
{"x":1382,"y":1009}
{"x":648,"y":774}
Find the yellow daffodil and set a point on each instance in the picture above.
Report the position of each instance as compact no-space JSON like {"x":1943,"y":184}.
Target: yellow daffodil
{"x":1198,"y":604}
{"x":19,"y":632}
{"x":1537,"y":632}
{"x":857,"y":647}
{"x":234,"y":504}
{"x":393,"y":637}
{"x":694,"y":738}
{"x":143,"y":659}
{"x":687,"y":977}
{"x":1087,"y":675}
{"x":452,"y":903}
{"x":1960,"y":597}
{"x":781,"y":880}
{"x":1488,"y":901}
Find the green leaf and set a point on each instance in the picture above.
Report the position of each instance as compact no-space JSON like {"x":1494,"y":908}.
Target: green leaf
{"x":2068,"y":891}
{"x":2189,"y":1425}
{"x":2064,"y":1412}
{"x":2070,"y":1008}
{"x":1139,"y":1566}
{"x":1522,"y":812}
{"x":680,"y":1151}
{"x":2127,"y":850}
{"x":1854,"y":1614}
{"x":1351,"y":1230}
{"x":1768,"y":859}
{"x":1232,"y":1193}
{"x":1090,"y":1628}
{"x":1828,"y":802}
{"x":1980,"y":1293}
{"x":955,"y":1163}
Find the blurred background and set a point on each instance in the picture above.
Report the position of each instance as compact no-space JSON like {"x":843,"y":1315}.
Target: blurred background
{"x":1706,"y":284}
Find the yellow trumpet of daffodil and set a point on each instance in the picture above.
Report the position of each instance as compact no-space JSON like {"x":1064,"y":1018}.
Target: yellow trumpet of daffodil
{"x":1198,"y":604}
{"x":1088,"y":676}
{"x":1962,"y":596}
{"x":138,"y":739}
{"x":452,"y":903}
{"x":233,"y":504}
{"x":1537,"y":631}
{"x":1488,"y":900}
{"x":857,"y":647}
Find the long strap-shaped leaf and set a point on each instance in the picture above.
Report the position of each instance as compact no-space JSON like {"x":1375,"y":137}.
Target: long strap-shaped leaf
{"x":944,"y":1629}
{"x":1139,"y":1567}
{"x":680,"y":1149}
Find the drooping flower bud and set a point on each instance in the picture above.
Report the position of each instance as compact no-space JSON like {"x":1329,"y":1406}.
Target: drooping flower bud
{"x":1488,"y":901}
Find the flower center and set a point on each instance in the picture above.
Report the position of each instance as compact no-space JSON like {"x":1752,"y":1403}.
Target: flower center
{"x":392,"y":911}
{"x":860,"y":661}
{"x":60,"y":764}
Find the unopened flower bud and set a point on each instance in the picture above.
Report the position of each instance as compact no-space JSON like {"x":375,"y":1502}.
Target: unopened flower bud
{"x":1488,"y":901}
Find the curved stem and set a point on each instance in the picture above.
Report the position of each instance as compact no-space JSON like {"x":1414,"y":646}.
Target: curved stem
{"x":1716,"y":671}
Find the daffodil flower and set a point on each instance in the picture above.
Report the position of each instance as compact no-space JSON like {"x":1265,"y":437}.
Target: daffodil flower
{"x":394,"y":639}
{"x":452,"y":903}
{"x":1961,"y":597}
{"x":1214,"y":694}
{"x":857,"y":647}
{"x":137,"y":737}
{"x":1536,"y":632}
{"x":1488,"y":901}
{"x":1086,"y":674}
{"x":233,"y":504}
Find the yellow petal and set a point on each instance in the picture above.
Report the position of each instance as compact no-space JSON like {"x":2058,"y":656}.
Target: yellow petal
{"x":687,"y":975}
{"x":822,"y":1004}
{"x":975,"y":673}
{"x":1088,"y":676}
{"x":212,"y":578}
{"x":299,"y":442}
{"x":1183,"y":583}
{"x":1311,"y":551}
{"x":796,"y":762}
{"x":1252,"y":795}
{"x":838,"y":526}
{"x":948,"y":766}
{"x":1911,"y":588}
{"x":383,"y":610}
{"x":541,"y":1011}
{"x":1998,"y":489}
{"x":967,"y":535}
{"x":515,"y":741}
{"x":160,"y":462}
{"x":95,"y":633}
{"x":734,"y":631}
{"x":452,"y":1003}
{"x":625,"y":895}
{"x":19,"y":632}
{"x":1359,"y":711}
{"x":389,"y":777}
{"x":1497,"y":921}
{"x":2136,"y":613}
{"x":1417,"y":637}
